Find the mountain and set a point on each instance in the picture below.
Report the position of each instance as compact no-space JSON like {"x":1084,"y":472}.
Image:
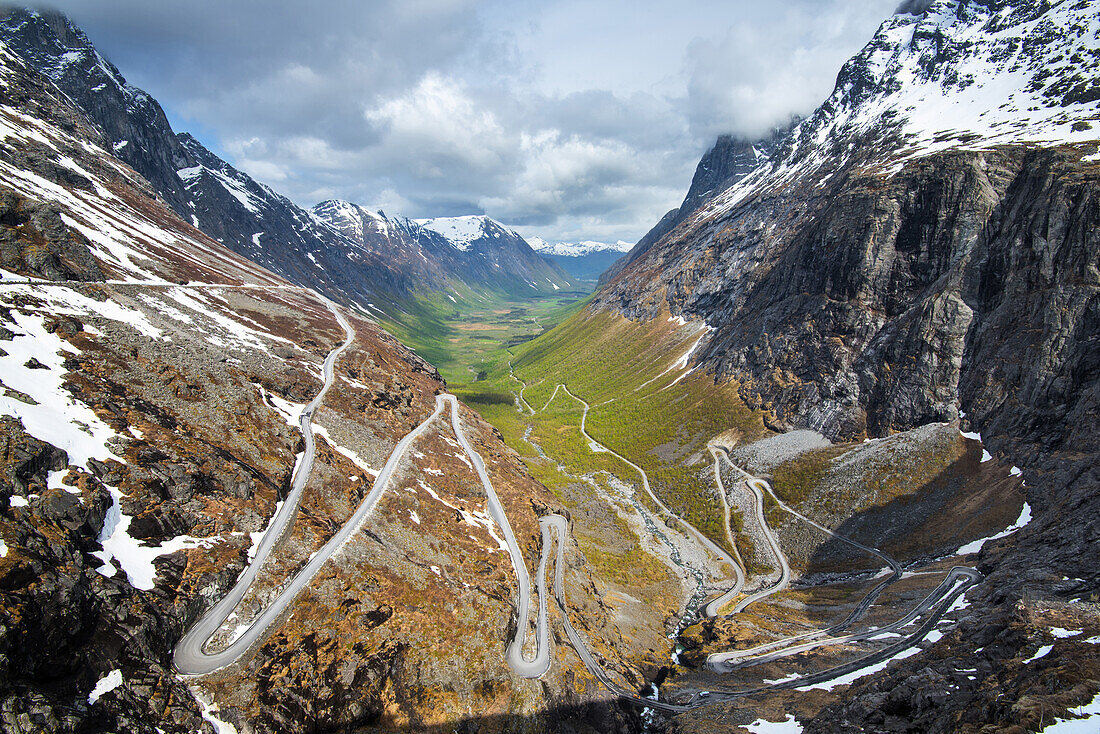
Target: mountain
{"x":923,"y":249}
{"x":165,"y":404}
{"x":241,"y":213}
{"x":882,"y":165}
{"x":583,"y":260}
{"x":493,"y":253}
{"x":471,"y":253}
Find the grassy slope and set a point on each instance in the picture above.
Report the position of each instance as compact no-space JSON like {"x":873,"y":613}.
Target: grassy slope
{"x":663,"y":427}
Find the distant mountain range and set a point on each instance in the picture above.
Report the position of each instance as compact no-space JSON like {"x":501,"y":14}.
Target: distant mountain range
{"x":379,"y":268}
{"x":583,"y":260}
{"x":445,"y":254}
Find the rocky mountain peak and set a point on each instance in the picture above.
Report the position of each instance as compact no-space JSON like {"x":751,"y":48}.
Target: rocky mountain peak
{"x":132,"y":121}
{"x":463,"y":232}
{"x":943,"y":75}
{"x":342,"y":215}
{"x":900,"y":154}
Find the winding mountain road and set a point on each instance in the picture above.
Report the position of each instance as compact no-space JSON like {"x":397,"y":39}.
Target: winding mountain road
{"x":958,"y":580}
{"x":712,"y":608}
{"x":719,"y":552}
{"x":190,"y":656}
{"x":726,"y":661}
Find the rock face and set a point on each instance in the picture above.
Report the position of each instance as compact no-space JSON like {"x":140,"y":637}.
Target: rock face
{"x":34,"y":240}
{"x":728,"y":161}
{"x":926,"y":245}
{"x":873,"y":305}
{"x":857,"y":292}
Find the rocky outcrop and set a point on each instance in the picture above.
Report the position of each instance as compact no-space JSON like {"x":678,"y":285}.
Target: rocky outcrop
{"x":881,"y":305}
{"x":63,"y":625}
{"x":34,"y":241}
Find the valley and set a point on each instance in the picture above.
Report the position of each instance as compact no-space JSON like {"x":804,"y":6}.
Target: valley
{"x":637,"y":396}
{"x":818,"y":454}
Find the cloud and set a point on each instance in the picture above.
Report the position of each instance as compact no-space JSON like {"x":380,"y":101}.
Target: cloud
{"x":582,"y":119}
{"x":744,"y":81}
{"x":914,"y":7}
{"x":437,"y":127}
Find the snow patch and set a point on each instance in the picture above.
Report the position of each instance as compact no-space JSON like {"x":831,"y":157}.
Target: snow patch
{"x":976,"y":545}
{"x":789,"y":725}
{"x":129,"y":553}
{"x":1042,"y":652}
{"x":56,"y":418}
{"x":344,"y":451}
{"x":862,"y":672}
{"x":209,"y":708}
{"x":460,"y":232}
{"x":105,"y":685}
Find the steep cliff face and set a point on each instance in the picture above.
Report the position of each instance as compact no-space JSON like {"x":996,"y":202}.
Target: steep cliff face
{"x":134,"y":125}
{"x":858,"y":275}
{"x":869,"y":301}
{"x":728,"y":161}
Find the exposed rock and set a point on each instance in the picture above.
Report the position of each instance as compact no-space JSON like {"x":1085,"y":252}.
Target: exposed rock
{"x":728,"y":161}
{"x":34,"y":241}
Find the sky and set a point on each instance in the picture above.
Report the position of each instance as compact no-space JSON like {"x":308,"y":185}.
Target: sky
{"x":567,"y":119}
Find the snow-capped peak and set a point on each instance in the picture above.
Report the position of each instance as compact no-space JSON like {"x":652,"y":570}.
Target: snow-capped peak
{"x":576,"y":249}
{"x":949,"y":74}
{"x":343,"y":215}
{"x":353,"y":220}
{"x":462,"y":232}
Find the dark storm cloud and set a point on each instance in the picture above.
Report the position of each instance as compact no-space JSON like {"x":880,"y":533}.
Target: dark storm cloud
{"x":439,"y":107}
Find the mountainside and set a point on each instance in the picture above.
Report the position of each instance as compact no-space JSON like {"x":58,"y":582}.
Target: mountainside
{"x":166,"y":405}
{"x":583,"y":260}
{"x":907,"y":223}
{"x":368,"y":269}
{"x":924,"y":248}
